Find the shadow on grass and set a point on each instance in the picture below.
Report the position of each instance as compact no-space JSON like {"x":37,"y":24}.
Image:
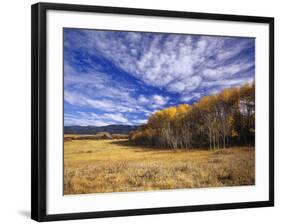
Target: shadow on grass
{"x":138,"y":148}
{"x":147,"y":148}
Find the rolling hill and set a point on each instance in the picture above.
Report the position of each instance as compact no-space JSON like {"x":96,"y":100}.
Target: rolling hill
{"x":112,"y":129}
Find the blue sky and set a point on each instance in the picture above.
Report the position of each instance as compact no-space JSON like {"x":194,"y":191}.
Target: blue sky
{"x":115,"y":77}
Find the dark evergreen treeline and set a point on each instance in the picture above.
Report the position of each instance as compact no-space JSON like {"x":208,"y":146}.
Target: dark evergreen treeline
{"x":216,"y":121}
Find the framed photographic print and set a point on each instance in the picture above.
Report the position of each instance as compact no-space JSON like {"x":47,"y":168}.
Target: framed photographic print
{"x":139,"y":111}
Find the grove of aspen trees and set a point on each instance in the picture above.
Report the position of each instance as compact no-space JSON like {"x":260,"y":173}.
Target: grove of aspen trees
{"x":216,"y":121}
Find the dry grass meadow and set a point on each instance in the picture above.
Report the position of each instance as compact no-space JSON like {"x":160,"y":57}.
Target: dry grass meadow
{"x":95,"y":166}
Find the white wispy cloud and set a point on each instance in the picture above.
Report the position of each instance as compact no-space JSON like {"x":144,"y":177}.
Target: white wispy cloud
{"x":116,"y":117}
{"x":79,"y":99}
{"x":226,"y":71}
{"x":90,"y":118}
{"x":176,"y":63}
{"x":142,"y":99}
{"x":158,"y":100}
{"x":224,"y":83}
{"x":70,"y":119}
{"x":139,"y":121}
{"x":83,"y":92}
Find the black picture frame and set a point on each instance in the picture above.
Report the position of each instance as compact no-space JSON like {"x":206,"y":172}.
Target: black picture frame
{"x":39,"y":122}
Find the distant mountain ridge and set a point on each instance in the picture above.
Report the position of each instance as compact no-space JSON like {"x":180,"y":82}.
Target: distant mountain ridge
{"x":112,"y":129}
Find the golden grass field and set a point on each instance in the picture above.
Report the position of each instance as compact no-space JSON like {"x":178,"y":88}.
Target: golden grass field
{"x":92,"y":166}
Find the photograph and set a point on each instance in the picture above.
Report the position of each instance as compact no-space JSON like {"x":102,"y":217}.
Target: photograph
{"x":139,"y":111}
{"x":150,"y":111}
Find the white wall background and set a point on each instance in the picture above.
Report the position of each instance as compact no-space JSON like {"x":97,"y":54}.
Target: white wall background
{"x":15,"y":110}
